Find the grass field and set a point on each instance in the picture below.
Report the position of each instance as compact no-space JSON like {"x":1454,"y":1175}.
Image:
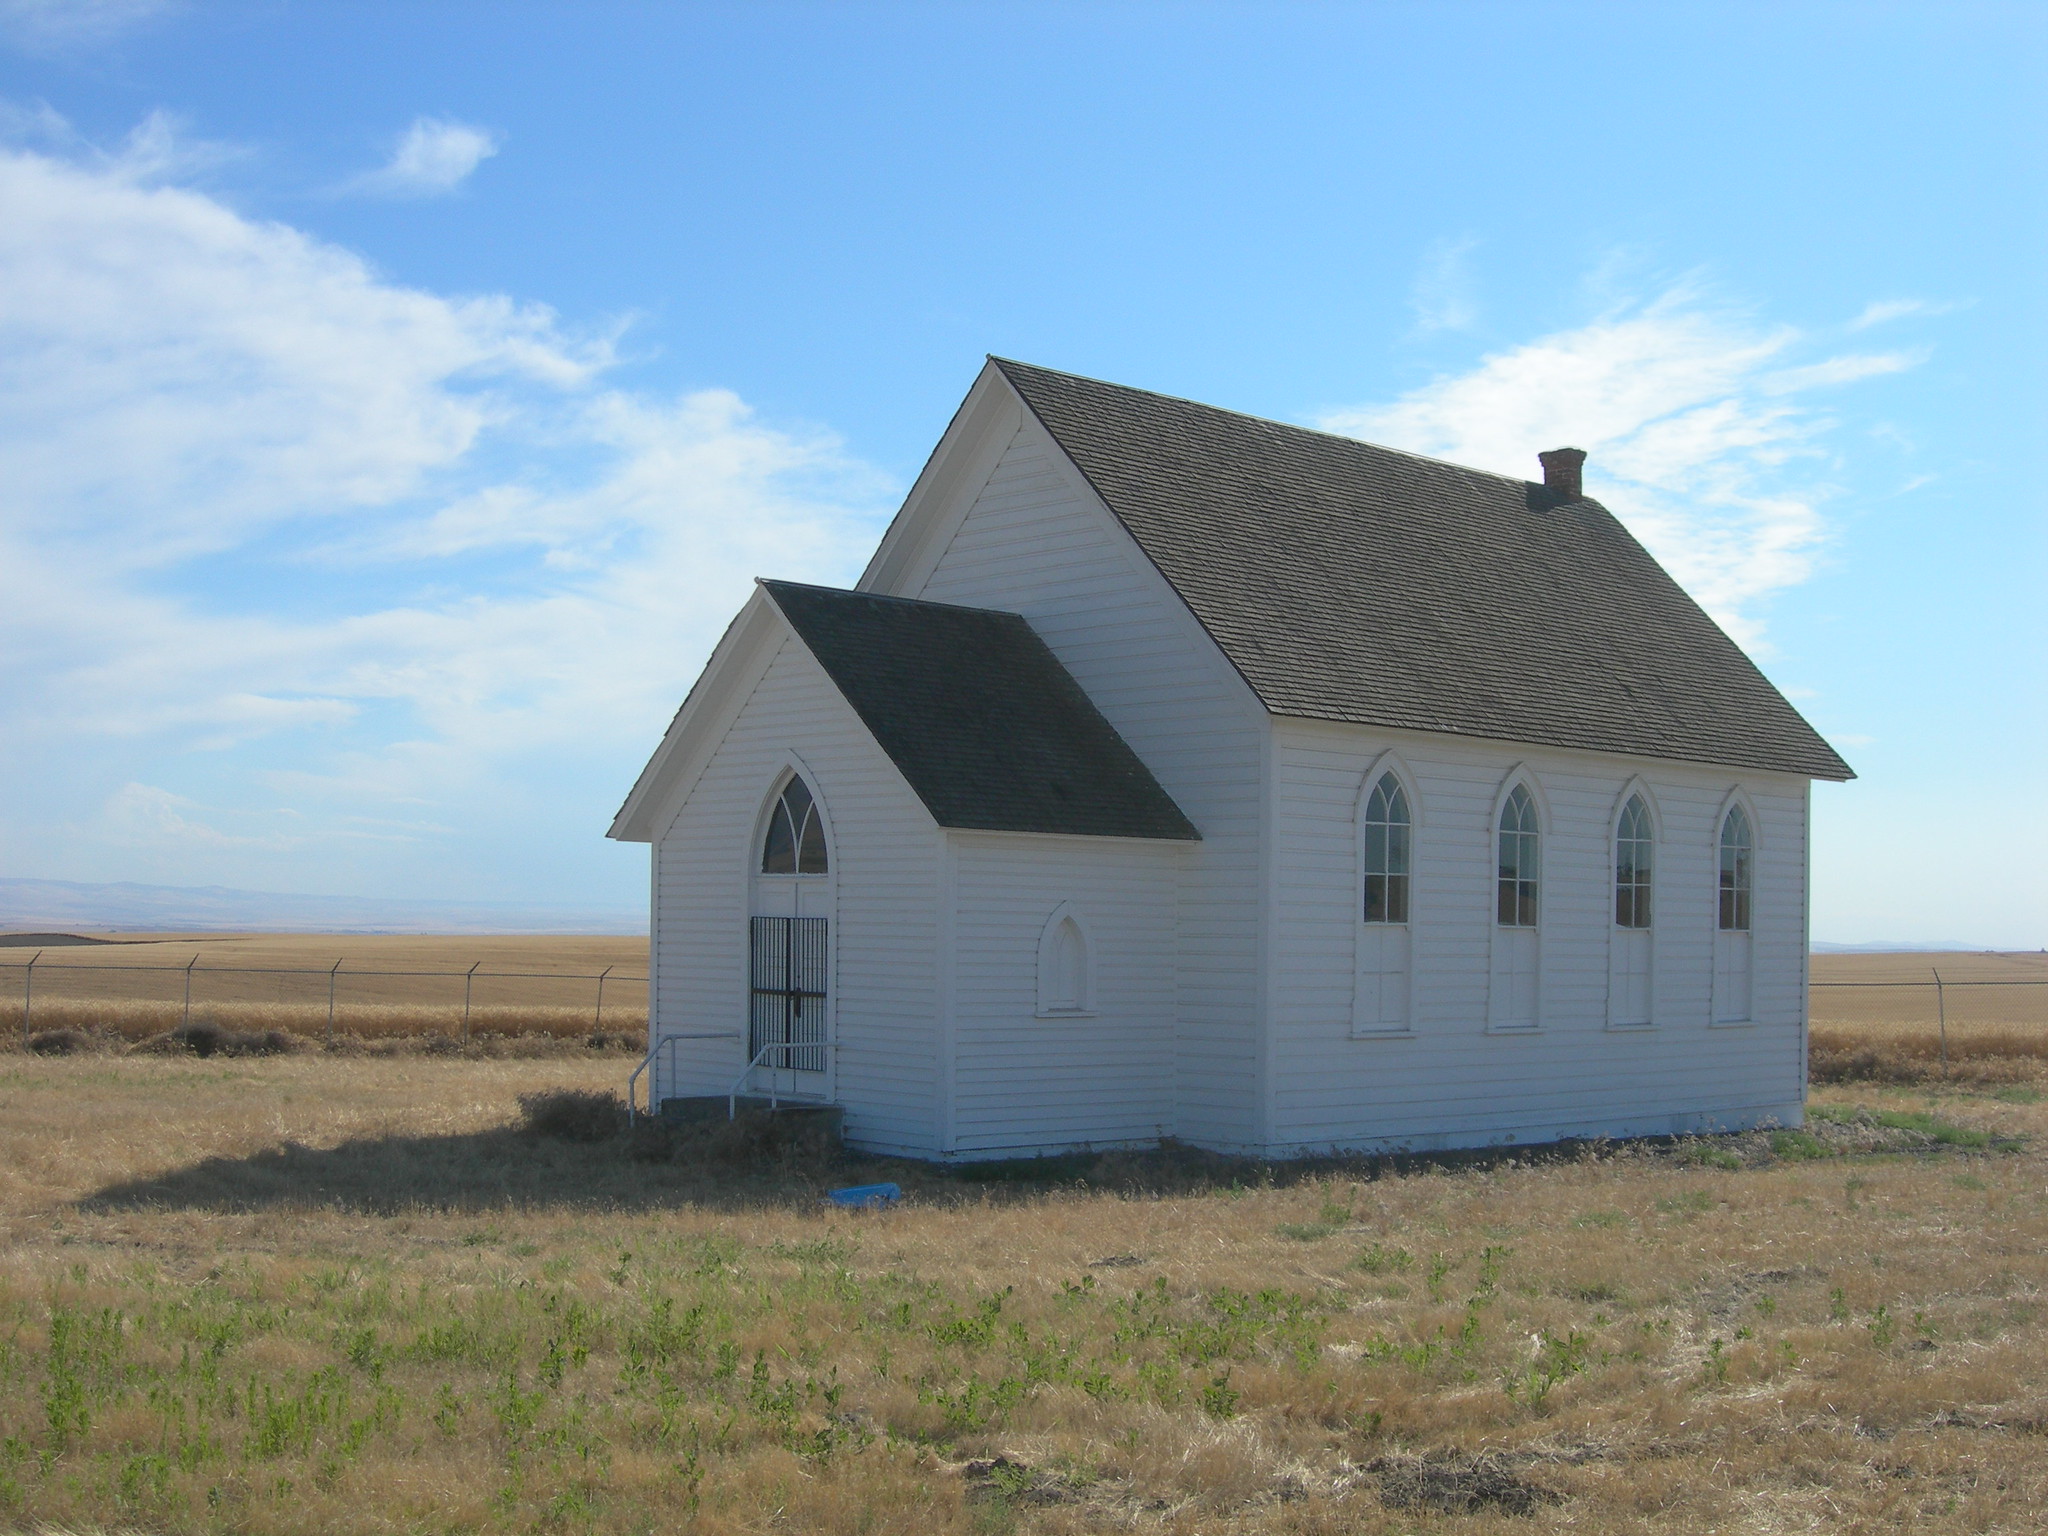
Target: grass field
{"x":311,"y":1293}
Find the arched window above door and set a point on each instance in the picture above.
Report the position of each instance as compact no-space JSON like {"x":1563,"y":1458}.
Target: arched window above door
{"x":795,"y":840}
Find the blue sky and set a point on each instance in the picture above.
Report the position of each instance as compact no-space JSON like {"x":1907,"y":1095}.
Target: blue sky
{"x":396,"y":401}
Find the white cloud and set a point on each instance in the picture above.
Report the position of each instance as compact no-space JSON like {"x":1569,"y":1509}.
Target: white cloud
{"x":153,"y":817}
{"x":56,"y":24}
{"x":1836,"y":370}
{"x":1691,"y":417}
{"x":293,"y":537}
{"x":435,"y":156}
{"x":1879,"y":311}
{"x":1443,"y":298}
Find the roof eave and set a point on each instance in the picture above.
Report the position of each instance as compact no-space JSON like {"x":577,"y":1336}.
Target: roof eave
{"x":639,"y":819}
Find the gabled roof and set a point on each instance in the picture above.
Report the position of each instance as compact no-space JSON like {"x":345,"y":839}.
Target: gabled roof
{"x":979,"y":716}
{"x":1351,"y":582}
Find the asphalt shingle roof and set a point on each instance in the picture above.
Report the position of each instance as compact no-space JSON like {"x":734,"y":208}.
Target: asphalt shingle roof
{"x":1352,"y":582}
{"x":979,"y":716}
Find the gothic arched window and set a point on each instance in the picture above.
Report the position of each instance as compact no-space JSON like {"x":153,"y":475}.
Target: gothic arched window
{"x":1738,"y":852}
{"x":795,"y":844}
{"x":1387,"y":828}
{"x":1065,"y":974}
{"x":1516,"y":905}
{"x":1633,"y":840}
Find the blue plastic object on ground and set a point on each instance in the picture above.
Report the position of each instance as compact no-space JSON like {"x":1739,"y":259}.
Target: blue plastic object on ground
{"x":863,"y":1195}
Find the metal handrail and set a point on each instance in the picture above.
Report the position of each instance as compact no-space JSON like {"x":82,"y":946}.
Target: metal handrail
{"x":732,"y":1096}
{"x":653,"y":1051}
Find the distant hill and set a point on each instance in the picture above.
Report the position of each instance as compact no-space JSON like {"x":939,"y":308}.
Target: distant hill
{"x":68,"y":904}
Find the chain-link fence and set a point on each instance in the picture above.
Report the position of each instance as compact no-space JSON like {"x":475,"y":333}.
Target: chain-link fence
{"x":1902,"y":1027}
{"x":39,"y":992}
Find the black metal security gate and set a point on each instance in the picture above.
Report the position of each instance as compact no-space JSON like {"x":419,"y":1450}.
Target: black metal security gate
{"x":787,"y":1005}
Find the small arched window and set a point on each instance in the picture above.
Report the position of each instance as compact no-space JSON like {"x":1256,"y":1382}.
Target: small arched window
{"x":1065,"y":969}
{"x":1633,"y":841}
{"x":1387,"y":829}
{"x":795,"y":844}
{"x":1516,"y":906}
{"x":1738,"y":853}
{"x":1064,"y":982}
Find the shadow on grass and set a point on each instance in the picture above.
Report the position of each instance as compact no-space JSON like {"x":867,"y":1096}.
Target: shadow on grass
{"x":504,"y":1167}
{"x":737,"y":1168}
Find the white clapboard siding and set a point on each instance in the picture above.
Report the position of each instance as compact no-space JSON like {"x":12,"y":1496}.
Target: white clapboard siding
{"x":1037,"y":542}
{"x":1025,"y":1083}
{"x":886,"y":863}
{"x":1449,"y":1080}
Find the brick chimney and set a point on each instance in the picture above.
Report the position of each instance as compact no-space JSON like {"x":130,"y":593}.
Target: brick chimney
{"x":1562,"y":468}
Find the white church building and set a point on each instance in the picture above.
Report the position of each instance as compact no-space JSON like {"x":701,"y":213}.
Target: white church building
{"x":1174,"y":772}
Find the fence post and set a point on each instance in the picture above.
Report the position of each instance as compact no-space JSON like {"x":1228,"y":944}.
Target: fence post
{"x":468,"y":981}
{"x":1941,"y":1012}
{"x":598,"y":1027}
{"x":28,"y":997}
{"x":186,"y":1017}
{"x":330,"y":1001}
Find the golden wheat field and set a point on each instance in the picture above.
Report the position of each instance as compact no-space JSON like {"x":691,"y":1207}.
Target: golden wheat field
{"x":319,"y":1292}
{"x":384,"y":985}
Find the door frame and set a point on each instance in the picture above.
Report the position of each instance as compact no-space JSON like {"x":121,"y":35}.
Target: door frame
{"x":793,"y":896}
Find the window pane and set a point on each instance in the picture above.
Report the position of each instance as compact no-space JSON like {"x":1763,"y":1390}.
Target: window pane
{"x":1505,"y":912}
{"x":810,"y":858}
{"x":1397,"y":849}
{"x":1375,"y":849}
{"x":1735,"y":830}
{"x":797,"y":796}
{"x":778,"y":855}
{"x":1397,"y":800}
{"x":1376,"y":898}
{"x":1397,"y":898}
{"x":1526,"y":889}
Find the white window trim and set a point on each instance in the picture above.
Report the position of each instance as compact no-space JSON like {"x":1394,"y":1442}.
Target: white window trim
{"x":1066,"y":912}
{"x":1633,"y":789}
{"x":792,"y":766}
{"x":1387,"y":762}
{"x":1736,"y":796}
{"x":1521,"y":774}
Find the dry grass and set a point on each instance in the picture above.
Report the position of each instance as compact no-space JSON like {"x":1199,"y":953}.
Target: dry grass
{"x":112,"y":1024}
{"x":306,"y":1293}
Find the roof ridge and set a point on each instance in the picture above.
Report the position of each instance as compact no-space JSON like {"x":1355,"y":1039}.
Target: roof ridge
{"x":1269,"y":421}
